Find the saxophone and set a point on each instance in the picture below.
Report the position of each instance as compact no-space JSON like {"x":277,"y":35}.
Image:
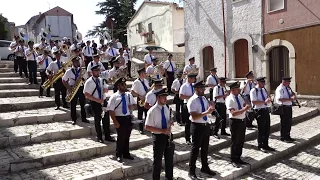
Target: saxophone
{"x":59,"y":74}
{"x":76,"y":86}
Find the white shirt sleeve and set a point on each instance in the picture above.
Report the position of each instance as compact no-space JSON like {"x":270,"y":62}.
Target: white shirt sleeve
{"x":253,"y":96}
{"x":111,"y":103}
{"x":132,"y":100}
{"x":150,"y":118}
{"x":192,"y":105}
{"x":215,"y":91}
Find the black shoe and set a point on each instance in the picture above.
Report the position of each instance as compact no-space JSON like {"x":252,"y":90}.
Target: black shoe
{"x":215,"y":135}
{"x":100,"y":140}
{"x":235,"y":164}
{"x":188,"y":142}
{"x":110,"y":139}
{"x":268,"y":148}
{"x":287,"y":140}
{"x":48,"y":95}
{"x":57,"y":108}
{"x":40,"y":96}
{"x":242,"y":162}
{"x":208,"y":171}
{"x":291,"y":139}
{"x":85,"y":121}
{"x":73,"y":122}
{"x":225,"y":134}
{"x":119,"y":159}
{"x":251,"y":126}
{"x":66,"y":106}
{"x":29,"y":83}
{"x":141,"y":132}
{"x":262,"y":150}
{"x":193,"y":176}
{"x":128,"y":157}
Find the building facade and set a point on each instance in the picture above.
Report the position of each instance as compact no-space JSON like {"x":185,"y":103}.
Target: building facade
{"x":157,"y":23}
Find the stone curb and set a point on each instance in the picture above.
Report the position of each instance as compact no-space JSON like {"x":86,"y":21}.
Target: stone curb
{"x":15,"y":80}
{"x":21,"y":93}
{"x":7,"y":107}
{"x":12,"y":74}
{"x":3,"y":70}
{"x":9,"y":86}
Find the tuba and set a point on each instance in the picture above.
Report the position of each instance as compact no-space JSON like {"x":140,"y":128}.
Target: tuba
{"x":76,"y":86}
{"x":22,"y":34}
{"x":120,"y":73}
{"x":44,"y":34}
{"x":78,"y":37}
{"x":158,"y":69}
{"x":193,"y":70}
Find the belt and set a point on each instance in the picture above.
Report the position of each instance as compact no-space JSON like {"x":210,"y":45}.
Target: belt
{"x":234,"y":119}
{"x":220,"y":103}
{"x":201,"y":124}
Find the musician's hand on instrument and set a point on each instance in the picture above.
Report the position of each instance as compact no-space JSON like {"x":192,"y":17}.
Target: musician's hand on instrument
{"x":293,"y":97}
{"x":116,"y":124}
{"x":172,"y":123}
{"x":268,"y":100}
{"x":210,"y":110}
{"x":166,"y":131}
{"x":100,"y":101}
{"x":247,"y":107}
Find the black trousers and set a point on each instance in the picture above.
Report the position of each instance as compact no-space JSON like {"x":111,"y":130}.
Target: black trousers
{"x":211,"y":94}
{"x":286,"y":122}
{"x":105,"y":65}
{"x":263,"y":120}
{"x":87,"y":61}
{"x":123,"y":132}
{"x":32,"y":67}
{"x":82,"y":100}
{"x":15,"y":65}
{"x":221,"y":122}
{"x":59,"y":89}
{"x":170,"y":79}
{"x":186,"y":120}
{"x":160,"y":149}
{"x":22,"y":64}
{"x":97,"y":110}
{"x":44,"y":77}
{"x":238,"y":132}
{"x":200,"y":139}
{"x":179,"y":105}
{"x":129,"y":68}
{"x":106,"y":124}
{"x":141,"y":111}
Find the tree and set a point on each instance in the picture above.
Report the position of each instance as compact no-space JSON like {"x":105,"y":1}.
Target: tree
{"x":3,"y":30}
{"x":120,"y":11}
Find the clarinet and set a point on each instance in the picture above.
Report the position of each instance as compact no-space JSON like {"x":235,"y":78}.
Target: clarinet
{"x":169,"y":139}
{"x":296,"y":102}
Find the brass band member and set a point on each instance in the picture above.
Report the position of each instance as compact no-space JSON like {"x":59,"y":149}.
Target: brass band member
{"x":259,"y":98}
{"x":139,"y":89}
{"x":42,"y":46}
{"x":94,"y":89}
{"x":127,"y":56}
{"x":69,"y":79}
{"x":187,"y":68}
{"x":150,"y":70}
{"x":87,"y":52}
{"x":13,"y":46}
{"x":120,"y":106}
{"x":114,"y":71}
{"x":237,"y":113}
{"x":94,"y":62}
{"x":158,"y":122}
{"x":249,"y":84}
{"x":59,"y":88}
{"x":21,"y":58}
{"x":284,"y":96}
{"x":169,"y":67}
{"x":111,"y":53}
{"x":151,"y":98}
{"x":185,"y":93}
{"x":148,"y":57}
{"x":177,"y":83}
{"x":31,"y":56}
{"x":199,"y":108}
{"x":212,"y":81}
{"x":44,"y":61}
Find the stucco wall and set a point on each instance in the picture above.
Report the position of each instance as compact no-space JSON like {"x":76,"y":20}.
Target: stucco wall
{"x":178,"y":29}
{"x":204,"y":27}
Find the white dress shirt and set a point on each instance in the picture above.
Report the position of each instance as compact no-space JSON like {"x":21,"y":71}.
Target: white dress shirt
{"x":150,"y":71}
{"x":105,"y":74}
{"x":282,"y":92}
{"x":93,"y":63}
{"x":45,"y":63}
{"x":148,"y":58}
{"x":154,"y":117}
{"x":13,"y":44}
{"x":32,"y":56}
{"x":176,"y":84}
{"x":90,"y":86}
{"x":53,"y":66}
{"x":231,"y":103}
{"x":151,"y":98}
{"x":116,"y":100}
{"x":167,"y":66}
{"x":219,"y":91}
{"x":20,"y":51}
{"x":70,"y":76}
{"x":246,"y":90}
{"x":113,"y":72}
{"x":126,"y":55}
{"x":187,"y":68}
{"x":256,"y":95}
{"x":87,"y":51}
{"x":186,"y":90}
{"x":138,"y":87}
{"x":194,"y":105}
{"x":212,"y":80}
{"x":111,"y":52}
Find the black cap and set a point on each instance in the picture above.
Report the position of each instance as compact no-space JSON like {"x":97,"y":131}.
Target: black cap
{"x":76,"y":59}
{"x":223,"y":79}
{"x":191,"y":59}
{"x":199,"y":84}
{"x":88,"y":41}
{"x":249,"y":73}
{"x":43,"y":39}
{"x":157,"y":81}
{"x":30,"y":42}
{"x":162,"y":92}
{"x":95,"y":55}
{"x":235,"y":85}
{"x":288,"y":79}
{"x":56,"y":41}
{"x":149,"y":48}
{"x":95,"y":67}
{"x":154,"y":59}
{"x":213,"y":69}
{"x":170,"y":55}
{"x":192,"y":75}
{"x":119,"y":81}
{"x":141,"y":70}
{"x":261,"y":79}
{"x":180,"y":72}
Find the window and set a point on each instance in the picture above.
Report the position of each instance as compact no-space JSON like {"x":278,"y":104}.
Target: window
{"x":275,"y":5}
{"x":150,"y":35}
{"x":140,"y":28}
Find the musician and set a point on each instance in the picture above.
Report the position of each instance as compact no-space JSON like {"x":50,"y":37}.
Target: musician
{"x":13,"y":46}
{"x":199,"y":108}
{"x":101,"y":44}
{"x":94,"y":47}
{"x":158,"y":122}
{"x":148,"y":57}
{"x":151,"y":98}
{"x":259,"y":99}
{"x":177,"y":83}
{"x":69,"y":79}
{"x":169,"y":66}
{"x":237,"y":113}
{"x":139,"y":89}
{"x":87,"y":52}
{"x":187,"y":68}
{"x":42,"y":46}
{"x":120,"y":106}
{"x":75,"y":51}
{"x":96,"y":61}
{"x":123,"y":62}
{"x":185,"y":93}
{"x":111,"y":52}
{"x":58,"y":86}
{"x":114,"y":71}
{"x":103,"y":58}
{"x":44,"y":61}
{"x":212,"y":81}
{"x":151,"y":70}
{"x":127,"y":57}
{"x":219,"y":96}
{"x":57,"y":44}
{"x":94,"y":88}
{"x":284,"y":96}
{"x":31,"y":57}
{"x":21,"y":60}
{"x":249,"y":84}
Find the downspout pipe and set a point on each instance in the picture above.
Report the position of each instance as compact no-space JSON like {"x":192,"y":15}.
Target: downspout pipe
{"x":224,"y":39}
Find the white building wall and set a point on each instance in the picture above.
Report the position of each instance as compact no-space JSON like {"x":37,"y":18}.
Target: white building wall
{"x":60,"y":26}
{"x":178,"y":29}
{"x":204,"y":27}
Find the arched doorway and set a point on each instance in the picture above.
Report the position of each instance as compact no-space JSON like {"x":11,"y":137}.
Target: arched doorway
{"x":208,"y":60}
{"x":241,"y":57}
{"x":278,"y":65}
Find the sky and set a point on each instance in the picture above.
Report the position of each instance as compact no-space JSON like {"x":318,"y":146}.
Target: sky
{"x":83,"y":11}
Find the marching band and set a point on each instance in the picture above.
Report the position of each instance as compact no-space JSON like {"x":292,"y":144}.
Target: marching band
{"x":81,"y":72}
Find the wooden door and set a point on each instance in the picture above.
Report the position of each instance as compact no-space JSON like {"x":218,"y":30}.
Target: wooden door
{"x":278,"y":65}
{"x":208,"y":60}
{"x":241,"y":57}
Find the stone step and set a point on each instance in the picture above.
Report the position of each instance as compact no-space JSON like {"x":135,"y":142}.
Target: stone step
{"x":3,"y":65}
{"x":22,"y":93}
{"x":16,"y":80}
{"x":9,"y":86}
{"x":2,"y":70}
{"x":105,"y":167}
{"x":12,"y":74}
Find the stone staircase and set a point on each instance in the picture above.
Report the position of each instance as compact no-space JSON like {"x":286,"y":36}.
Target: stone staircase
{"x":38,"y":142}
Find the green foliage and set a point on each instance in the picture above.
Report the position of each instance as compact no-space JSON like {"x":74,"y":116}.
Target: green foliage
{"x":3,"y":30}
{"x":121,"y":11}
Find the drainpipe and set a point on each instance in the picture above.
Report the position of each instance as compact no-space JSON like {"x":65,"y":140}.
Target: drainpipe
{"x":224,"y":40}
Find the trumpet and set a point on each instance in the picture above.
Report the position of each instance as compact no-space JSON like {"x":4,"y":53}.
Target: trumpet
{"x":64,"y":48}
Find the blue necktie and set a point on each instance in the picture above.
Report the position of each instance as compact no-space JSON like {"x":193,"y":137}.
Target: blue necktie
{"x":163,"y":119}
{"x":202,"y":106}
{"x":98,"y":88}
{"x":59,"y":65}
{"x":76,"y":74}
{"x":171,"y":66}
{"x":88,"y":50}
{"x":250,"y":85}
{"x":180,"y":82}
{"x":238,"y":102}
{"x":263,"y":97}
{"x":150,"y":57}
{"x":144,"y":86}
{"x":158,"y":76}
{"x":34,"y":56}
{"x":112,"y":51}
{"x":47,"y":63}
{"x":128,"y":54}
{"x":215,"y":78}
{"x":192,"y":89}
{"x":222,"y":91}
{"x":124,"y":104}
{"x":288,"y":92}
